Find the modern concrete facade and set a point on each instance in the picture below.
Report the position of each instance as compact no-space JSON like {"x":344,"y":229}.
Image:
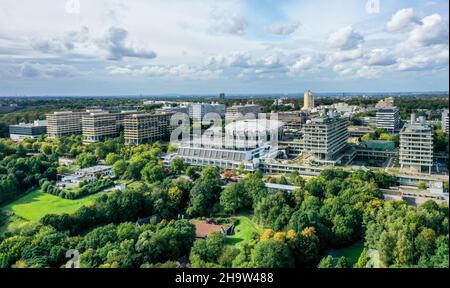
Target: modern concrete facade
{"x":240,"y":112}
{"x":99,"y":125}
{"x":244,"y":144}
{"x":64,"y":123}
{"x":27,"y":130}
{"x":197,"y":111}
{"x":325,"y":139}
{"x":444,"y":123}
{"x":144,"y":127}
{"x":293,"y":120}
{"x":416,"y":147}
{"x":389,"y":119}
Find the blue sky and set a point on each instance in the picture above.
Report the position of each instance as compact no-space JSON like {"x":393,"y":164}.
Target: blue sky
{"x":116,"y":47}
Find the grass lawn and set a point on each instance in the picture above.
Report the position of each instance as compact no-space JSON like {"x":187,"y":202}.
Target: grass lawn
{"x":243,"y":231}
{"x":34,"y":205}
{"x":351,"y":252}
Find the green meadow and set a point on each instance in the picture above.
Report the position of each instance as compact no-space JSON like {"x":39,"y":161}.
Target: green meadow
{"x":36,"y":204}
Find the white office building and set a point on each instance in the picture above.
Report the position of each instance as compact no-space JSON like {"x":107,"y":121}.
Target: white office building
{"x":416,"y":146}
{"x":445,"y":121}
{"x":389,"y":119}
{"x":244,"y":144}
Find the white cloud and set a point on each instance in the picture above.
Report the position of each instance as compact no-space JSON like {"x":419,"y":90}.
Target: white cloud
{"x":305,"y":63}
{"x":118,"y":47}
{"x":346,"y":55}
{"x":432,"y":30}
{"x":380,"y":57}
{"x":345,"y":39}
{"x":33,"y":70}
{"x":284,"y":28}
{"x":401,"y":20}
{"x":180,"y":72}
{"x":227,"y":22}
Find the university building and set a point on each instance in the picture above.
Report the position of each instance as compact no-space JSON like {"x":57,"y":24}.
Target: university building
{"x":99,"y":125}
{"x":145,"y":127}
{"x":416,"y":146}
{"x":27,"y":130}
{"x":64,"y":123}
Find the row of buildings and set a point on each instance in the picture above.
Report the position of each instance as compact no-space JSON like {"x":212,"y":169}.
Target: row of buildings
{"x":323,"y":143}
{"x":97,"y":125}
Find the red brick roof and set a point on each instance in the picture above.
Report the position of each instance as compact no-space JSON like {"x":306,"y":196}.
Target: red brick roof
{"x":203,"y":229}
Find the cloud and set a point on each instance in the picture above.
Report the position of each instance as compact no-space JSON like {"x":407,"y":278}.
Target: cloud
{"x":226,"y":22}
{"x":427,"y":58}
{"x":182,"y":71}
{"x":33,"y":70}
{"x":284,"y":28}
{"x":118,"y":48}
{"x":64,"y":44}
{"x":305,"y":63}
{"x":432,"y":30}
{"x":345,"y":39}
{"x":346,"y":55}
{"x":401,"y":20}
{"x":380,"y":57}
{"x":235,"y":59}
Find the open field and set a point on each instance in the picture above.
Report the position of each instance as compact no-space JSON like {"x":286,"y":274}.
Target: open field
{"x":34,"y":205}
{"x":244,"y":231}
{"x":351,"y":252}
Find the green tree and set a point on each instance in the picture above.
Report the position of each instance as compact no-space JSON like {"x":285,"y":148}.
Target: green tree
{"x":177,"y":165}
{"x":153,"y":173}
{"x":272,"y":254}
{"x":112,"y":158}
{"x":119,"y":168}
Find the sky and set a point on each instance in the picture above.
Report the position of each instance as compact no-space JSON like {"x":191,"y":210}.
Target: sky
{"x":151,"y":47}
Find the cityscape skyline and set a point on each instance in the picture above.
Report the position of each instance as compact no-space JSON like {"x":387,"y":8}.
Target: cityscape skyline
{"x":100,"y":49}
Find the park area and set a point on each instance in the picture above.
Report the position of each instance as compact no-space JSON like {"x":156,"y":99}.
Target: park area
{"x":244,"y":231}
{"x":36,"y":204}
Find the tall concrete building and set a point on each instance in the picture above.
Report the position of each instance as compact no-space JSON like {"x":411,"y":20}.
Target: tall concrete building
{"x":197,"y":111}
{"x":99,"y":125}
{"x":325,"y":139}
{"x":308,"y":100}
{"x":64,"y":123}
{"x":444,"y":123}
{"x":293,"y":120}
{"x":120,"y":118}
{"x":240,"y":112}
{"x":144,"y":127}
{"x":416,"y":146}
{"x":389,"y":119}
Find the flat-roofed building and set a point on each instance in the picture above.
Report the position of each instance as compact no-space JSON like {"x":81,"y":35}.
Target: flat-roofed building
{"x":197,"y":111}
{"x":240,"y":112}
{"x":388,"y":119}
{"x":416,"y":146}
{"x":444,"y":123}
{"x":293,"y":120}
{"x":385,"y":103}
{"x":99,"y":125}
{"x":244,"y":144}
{"x":325,"y":139}
{"x":64,"y":123}
{"x":359,"y":131}
{"x":27,"y":130}
{"x":120,"y":118}
{"x":145,"y":127}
